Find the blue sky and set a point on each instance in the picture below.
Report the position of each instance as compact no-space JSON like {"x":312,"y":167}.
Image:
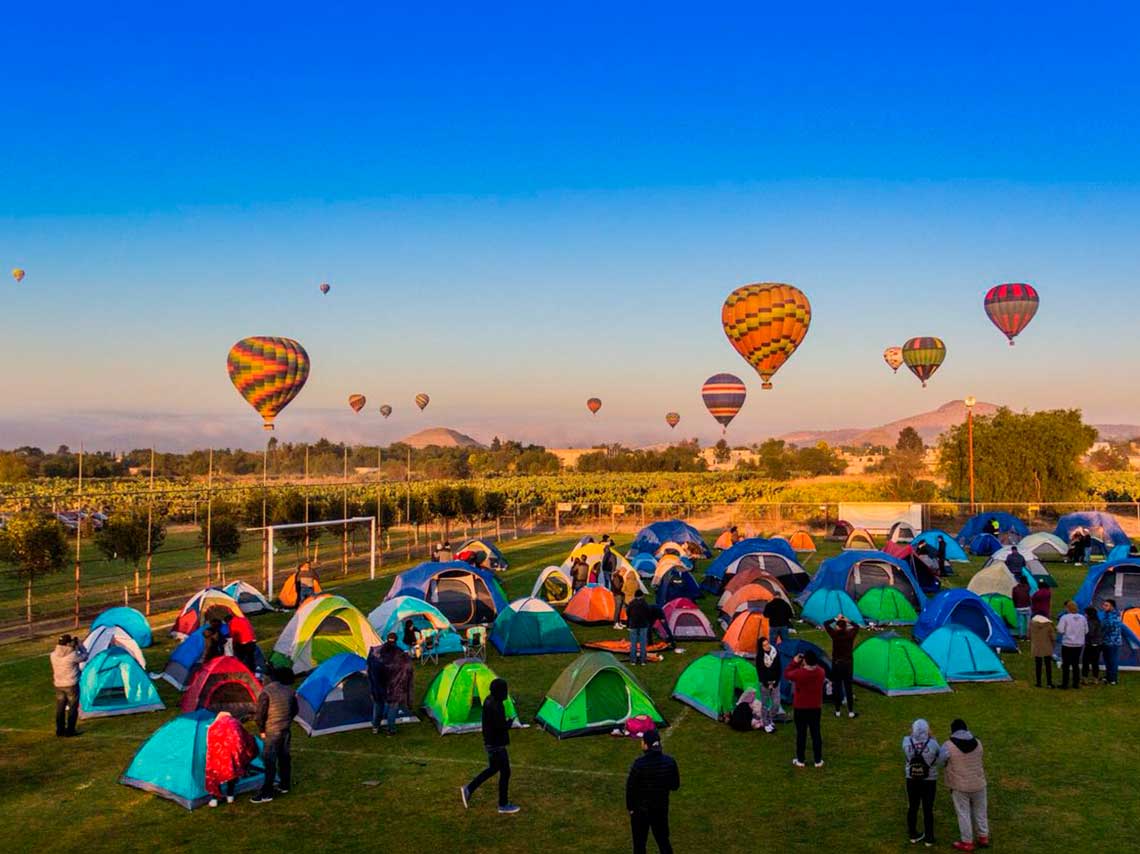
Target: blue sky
{"x":521,"y":208}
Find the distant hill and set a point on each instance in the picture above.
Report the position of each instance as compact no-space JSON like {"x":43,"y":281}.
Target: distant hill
{"x":1117,"y":432}
{"x":930,"y":425}
{"x":443,"y":437}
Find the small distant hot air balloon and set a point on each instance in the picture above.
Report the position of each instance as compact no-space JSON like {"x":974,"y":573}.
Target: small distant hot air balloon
{"x":422,"y":400}
{"x":268,"y":372}
{"x":356,"y":401}
{"x":594,"y":404}
{"x":18,"y":275}
{"x":385,"y":410}
{"x":1010,"y":307}
{"x":672,"y":419}
{"x":325,"y":287}
{"x":923,"y":356}
{"x":723,"y":395}
{"x":893,"y":356}
{"x":766,"y":322}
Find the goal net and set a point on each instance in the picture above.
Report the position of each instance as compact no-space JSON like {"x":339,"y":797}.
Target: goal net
{"x":330,"y":545}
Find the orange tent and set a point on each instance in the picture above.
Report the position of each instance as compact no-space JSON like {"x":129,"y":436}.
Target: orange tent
{"x":801,"y":541}
{"x":287,"y":596}
{"x":724,"y":541}
{"x":1131,"y":619}
{"x":593,"y":605}
{"x":745,"y":630}
{"x":756,"y":575}
{"x":731,"y":602}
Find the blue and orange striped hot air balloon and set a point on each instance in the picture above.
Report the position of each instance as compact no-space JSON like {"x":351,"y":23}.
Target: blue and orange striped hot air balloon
{"x":1011,"y":306}
{"x":268,"y":372}
{"x":723,"y":395}
{"x":765,"y":323}
{"x":923,"y":356}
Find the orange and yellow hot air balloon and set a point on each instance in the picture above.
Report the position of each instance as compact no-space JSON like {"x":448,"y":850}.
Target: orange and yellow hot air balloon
{"x":422,"y":400}
{"x":268,"y":372}
{"x":357,"y":401}
{"x":594,"y":404}
{"x":766,"y":322}
{"x":18,"y":275}
{"x":672,"y":419}
{"x":893,"y":356}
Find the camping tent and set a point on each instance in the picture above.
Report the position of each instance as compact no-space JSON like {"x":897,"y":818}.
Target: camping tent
{"x":859,"y":540}
{"x":744,"y":632}
{"x":486,"y":555}
{"x":454,"y":699}
{"x":732,"y":601}
{"x":594,"y":694}
{"x":203,"y":606}
{"x":901,"y":532}
{"x":593,"y":553}
{"x":982,"y":523}
{"x":114,"y":683}
{"x":184,"y":659}
{"x":465,"y":594}
{"x":713,"y":683}
{"x":886,"y":606}
{"x":222,"y":684}
{"x":856,"y":572}
{"x":789,"y":649}
{"x":666,"y":563}
{"x":645,"y":564}
{"x":683,"y":552}
{"x":686,"y":621}
{"x":129,"y":620}
{"x":1102,"y":526}
{"x":249,"y":598}
{"x":335,"y":697}
{"x":967,"y":609}
{"x":529,"y":626}
{"x":896,"y":666}
{"x":592,"y":605}
{"x":553,"y":586}
{"x":802,"y":542}
{"x":995,"y":578}
{"x":287,"y":595}
{"x":1114,"y":579}
{"x":323,"y":626}
{"x":964,"y":657}
{"x":1044,"y":546}
{"x":927,"y":543}
{"x":1040,"y":575}
{"x":172,"y":762}
{"x":391,"y":614}
{"x":724,"y":540}
{"x":984,"y":545}
{"x":825,"y":604}
{"x":1003,"y":606}
{"x":677,"y":583}
{"x":754,"y":575}
{"x":650,"y":538}
{"x":775,"y":557}
{"x":105,"y":637}
{"x":841,"y":531}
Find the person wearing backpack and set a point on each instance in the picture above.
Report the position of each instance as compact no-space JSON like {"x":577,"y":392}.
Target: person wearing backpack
{"x":921,"y":752}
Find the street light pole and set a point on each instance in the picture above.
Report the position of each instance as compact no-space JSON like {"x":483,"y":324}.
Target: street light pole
{"x":970,"y":401}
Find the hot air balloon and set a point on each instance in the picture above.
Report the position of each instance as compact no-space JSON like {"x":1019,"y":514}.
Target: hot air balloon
{"x":766,"y":322}
{"x":672,"y":419}
{"x":325,"y":287}
{"x":385,"y":410}
{"x":594,"y":404}
{"x":356,"y":401}
{"x":1011,"y":307}
{"x":723,"y":395}
{"x":422,"y":400}
{"x":893,"y":356}
{"x":268,"y":372}
{"x":18,"y":275}
{"x":923,"y":356}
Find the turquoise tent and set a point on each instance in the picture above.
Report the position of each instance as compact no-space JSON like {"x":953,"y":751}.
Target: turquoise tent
{"x":824,"y":605}
{"x":531,"y":627}
{"x":129,"y":620}
{"x":172,"y":762}
{"x":114,"y":683}
{"x":962,"y":656}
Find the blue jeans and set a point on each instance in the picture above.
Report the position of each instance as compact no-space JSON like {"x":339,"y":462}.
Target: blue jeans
{"x":780,"y":632}
{"x":1111,"y":662}
{"x":1022,"y":622}
{"x":390,"y":712}
{"x":638,"y":639}
{"x":378,"y":707}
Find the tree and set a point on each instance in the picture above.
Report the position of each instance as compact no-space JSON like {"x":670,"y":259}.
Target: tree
{"x":903,"y":468}
{"x":225,"y":532}
{"x":443,"y":504}
{"x":910,"y":441}
{"x":124,"y":536}
{"x":721,"y":452}
{"x":1111,"y":458}
{"x":33,"y":545}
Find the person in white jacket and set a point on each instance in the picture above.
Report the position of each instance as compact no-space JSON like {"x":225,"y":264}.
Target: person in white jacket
{"x":66,"y":659}
{"x":1072,"y":628}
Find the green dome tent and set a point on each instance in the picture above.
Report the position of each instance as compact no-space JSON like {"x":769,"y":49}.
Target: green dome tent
{"x":1003,"y":607}
{"x":454,"y":699}
{"x":887,"y":606}
{"x":594,"y":694}
{"x":897,"y":666}
{"x":713,"y":683}
{"x":322,"y":627}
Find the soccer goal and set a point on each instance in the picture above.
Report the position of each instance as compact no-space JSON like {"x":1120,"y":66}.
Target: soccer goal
{"x":307,"y":536}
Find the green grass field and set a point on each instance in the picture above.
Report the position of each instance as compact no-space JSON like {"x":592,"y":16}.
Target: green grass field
{"x":1059,"y":767}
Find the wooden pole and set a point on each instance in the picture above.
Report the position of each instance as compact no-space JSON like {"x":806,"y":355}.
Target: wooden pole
{"x":306,"y":488}
{"x":379,"y":513}
{"x":78,"y":533}
{"x":344,"y":535}
{"x":408,"y":481}
{"x":209,"y":516}
{"x":149,"y":524}
{"x":265,"y":540}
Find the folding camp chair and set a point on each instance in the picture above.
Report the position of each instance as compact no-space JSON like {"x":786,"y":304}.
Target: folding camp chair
{"x":428,"y":647}
{"x":475,"y":643}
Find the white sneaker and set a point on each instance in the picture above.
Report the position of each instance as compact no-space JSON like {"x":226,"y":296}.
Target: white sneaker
{"x":838,"y":713}
{"x":229,"y":799}
{"x":819,"y":764}
{"x":770,"y":728}
{"x":852,"y":714}
{"x":797,"y":763}
{"x":213,"y":802}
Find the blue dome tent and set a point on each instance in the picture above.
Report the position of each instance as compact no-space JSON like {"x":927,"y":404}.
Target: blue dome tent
{"x":129,"y":620}
{"x":335,"y":697}
{"x":984,"y":545}
{"x":962,"y":656}
{"x":1113,"y":579}
{"x":788,"y":650}
{"x":968,"y":610}
{"x":775,"y":557}
{"x":827,"y":604}
{"x":677,"y":584}
{"x":114,"y":683}
{"x":981,"y":524}
{"x":650,"y":537}
{"x":465,"y":594}
{"x":856,"y":572}
{"x":1113,"y":534}
{"x":928,"y":540}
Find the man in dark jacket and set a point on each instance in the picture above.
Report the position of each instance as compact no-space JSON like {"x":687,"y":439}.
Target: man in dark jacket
{"x":1015,"y":562}
{"x":609,"y":563}
{"x":842,"y":632}
{"x":941,"y":557}
{"x":496,"y":737}
{"x":639,"y":616}
{"x":377,"y":685}
{"x":399,"y":679}
{"x":1022,"y":604}
{"x":276,"y":708}
{"x":652,"y":777}
{"x":779,"y":615}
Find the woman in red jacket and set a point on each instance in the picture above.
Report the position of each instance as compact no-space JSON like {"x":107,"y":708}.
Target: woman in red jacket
{"x":229,"y":752}
{"x":806,"y":677}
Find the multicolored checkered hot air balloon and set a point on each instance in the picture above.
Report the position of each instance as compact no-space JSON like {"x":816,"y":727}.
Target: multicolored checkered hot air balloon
{"x":893,"y":357}
{"x":325,"y":287}
{"x":357,"y":401}
{"x":923,"y":356}
{"x":385,"y":410}
{"x":594,"y":404}
{"x":268,"y":372}
{"x":766,"y":322}
{"x":723,"y":395}
{"x":672,"y":419}
{"x":1010,"y":307}
{"x":422,"y":400}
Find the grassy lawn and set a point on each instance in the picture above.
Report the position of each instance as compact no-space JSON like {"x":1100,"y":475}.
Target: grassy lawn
{"x":1059,"y":766}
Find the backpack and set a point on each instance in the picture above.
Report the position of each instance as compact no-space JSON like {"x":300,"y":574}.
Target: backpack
{"x":917,"y":768}
{"x":741,"y":718}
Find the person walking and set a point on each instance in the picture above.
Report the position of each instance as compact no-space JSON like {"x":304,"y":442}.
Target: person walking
{"x":779,"y":615}
{"x":66,"y":659}
{"x":961,"y":754}
{"x":807,"y":677}
{"x":244,"y":640}
{"x":1090,"y":658}
{"x":768,"y":673}
{"x":1042,"y":637}
{"x":496,"y":738}
{"x":276,"y":708}
{"x":652,"y":776}
{"x":1022,"y":598}
{"x":1041,"y":602}
{"x":1111,"y":638}
{"x":842,"y":633}
{"x":639,"y":615}
{"x":1072,"y":628}
{"x":377,"y":685}
{"x":399,"y":681}
{"x":921,"y":752}
{"x":229,"y":752}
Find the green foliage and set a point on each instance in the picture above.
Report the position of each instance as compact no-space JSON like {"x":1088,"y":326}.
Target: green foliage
{"x":33,"y":545}
{"x":682,"y":457}
{"x":910,"y":441}
{"x":721,"y":452}
{"x":1112,"y":458}
{"x":225,"y":532}
{"x":124,"y":535}
{"x":778,"y":460}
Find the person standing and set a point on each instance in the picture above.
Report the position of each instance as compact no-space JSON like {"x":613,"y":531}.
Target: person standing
{"x":496,"y":738}
{"x":1090,"y":658}
{"x":399,"y":681}
{"x":609,"y":561}
{"x":921,"y":752}
{"x":377,"y":685}
{"x":1015,"y":562}
{"x":768,"y":673}
{"x":629,"y":586}
{"x":276,"y":708}
{"x":66,"y":659}
{"x":807,"y":677}
{"x":579,"y":572}
{"x":229,"y":752}
{"x":639,"y":615}
{"x":842,"y":633}
{"x":961,"y":754}
{"x":941,"y":556}
{"x":653,"y":775}
{"x":1041,"y":602}
{"x":1072,"y":628}
{"x":307,"y":582}
{"x":1022,"y":598}
{"x":1042,"y":637}
{"x":779,"y":615}
{"x":617,"y":587}
{"x":1111,"y":639}
{"x":244,"y":640}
